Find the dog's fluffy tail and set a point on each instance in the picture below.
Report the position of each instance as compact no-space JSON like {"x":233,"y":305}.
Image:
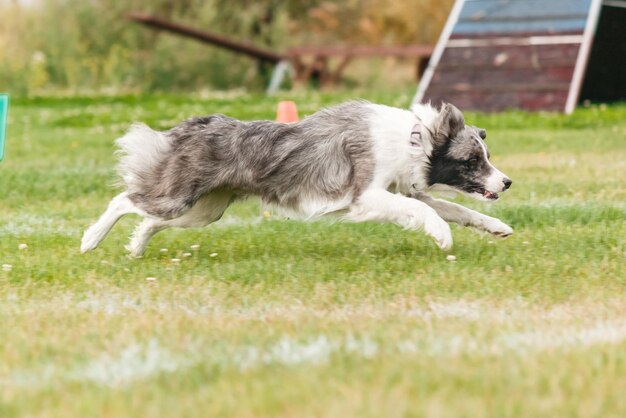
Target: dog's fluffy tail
{"x":141,"y":149}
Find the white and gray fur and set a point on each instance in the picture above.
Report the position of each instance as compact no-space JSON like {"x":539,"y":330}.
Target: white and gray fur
{"x":356,"y":159}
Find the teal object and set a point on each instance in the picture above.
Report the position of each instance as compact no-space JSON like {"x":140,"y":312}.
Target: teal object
{"x":4,"y":112}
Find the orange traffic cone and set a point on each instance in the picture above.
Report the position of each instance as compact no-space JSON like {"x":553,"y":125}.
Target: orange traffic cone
{"x":287,"y":112}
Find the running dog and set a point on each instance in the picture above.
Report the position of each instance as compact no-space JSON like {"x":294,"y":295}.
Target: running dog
{"x":362,"y":161}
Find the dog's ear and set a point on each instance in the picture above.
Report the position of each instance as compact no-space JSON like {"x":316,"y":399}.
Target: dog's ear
{"x":449,"y":122}
{"x":482,"y":133}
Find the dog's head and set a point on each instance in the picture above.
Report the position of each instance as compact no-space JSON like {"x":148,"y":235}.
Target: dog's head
{"x":460,"y":160}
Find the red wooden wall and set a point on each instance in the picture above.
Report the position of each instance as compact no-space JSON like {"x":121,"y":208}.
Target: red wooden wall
{"x":492,"y":78}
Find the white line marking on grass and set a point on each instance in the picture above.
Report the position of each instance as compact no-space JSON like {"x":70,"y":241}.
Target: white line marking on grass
{"x":118,"y":303}
{"x":522,"y":343}
{"x":287,"y":352}
{"x":290,"y":352}
{"x":600,"y":333}
{"x":32,"y":224}
{"x":472,"y":311}
{"x":111,"y":305}
{"x":139,"y":362}
{"x":135,"y":362}
{"x":205,"y":304}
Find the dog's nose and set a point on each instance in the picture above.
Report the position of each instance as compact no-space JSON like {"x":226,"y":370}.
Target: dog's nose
{"x":507,"y":183}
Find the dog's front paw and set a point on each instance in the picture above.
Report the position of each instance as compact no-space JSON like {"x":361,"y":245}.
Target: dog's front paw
{"x":497,"y":228}
{"x":439,"y":230}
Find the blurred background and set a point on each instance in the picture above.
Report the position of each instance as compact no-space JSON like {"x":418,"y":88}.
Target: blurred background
{"x":78,"y":46}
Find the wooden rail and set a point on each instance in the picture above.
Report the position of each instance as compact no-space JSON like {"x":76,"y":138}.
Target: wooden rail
{"x":308,"y":62}
{"x":206,"y":37}
{"x":314,"y":62}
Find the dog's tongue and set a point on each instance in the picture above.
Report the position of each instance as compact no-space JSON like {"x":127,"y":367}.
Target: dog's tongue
{"x":490,"y":195}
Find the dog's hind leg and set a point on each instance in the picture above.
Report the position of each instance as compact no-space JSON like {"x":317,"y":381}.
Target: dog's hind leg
{"x":207,"y":209}
{"x":143,"y":233}
{"x":119,"y":206}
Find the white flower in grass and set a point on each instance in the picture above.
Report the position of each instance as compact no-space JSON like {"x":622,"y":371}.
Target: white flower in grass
{"x":186,"y":255}
{"x":213,"y":255}
{"x":451,"y":258}
{"x":163,"y":250}
{"x":195,"y":247}
{"x":151,"y":279}
{"x":6,"y":267}
{"x":38,"y":57}
{"x":175,"y":260}
{"x":22,"y":246}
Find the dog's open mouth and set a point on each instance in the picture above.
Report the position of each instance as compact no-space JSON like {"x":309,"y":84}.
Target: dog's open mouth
{"x":489,"y":195}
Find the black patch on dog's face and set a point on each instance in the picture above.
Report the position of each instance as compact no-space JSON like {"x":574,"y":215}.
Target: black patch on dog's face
{"x":460,"y":163}
{"x":459,"y":158}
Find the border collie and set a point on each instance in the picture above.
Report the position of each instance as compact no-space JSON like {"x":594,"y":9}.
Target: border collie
{"x":364,"y":161}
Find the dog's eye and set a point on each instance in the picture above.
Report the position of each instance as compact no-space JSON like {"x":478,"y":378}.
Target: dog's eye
{"x":472,"y":161}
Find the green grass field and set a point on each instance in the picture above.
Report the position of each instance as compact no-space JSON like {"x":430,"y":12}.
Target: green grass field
{"x":277,"y":318}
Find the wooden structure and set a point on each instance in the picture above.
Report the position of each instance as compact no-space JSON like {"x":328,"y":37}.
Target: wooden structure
{"x":527,"y":54}
{"x":261,"y":54}
{"x":307,"y":62}
{"x":314,"y":62}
